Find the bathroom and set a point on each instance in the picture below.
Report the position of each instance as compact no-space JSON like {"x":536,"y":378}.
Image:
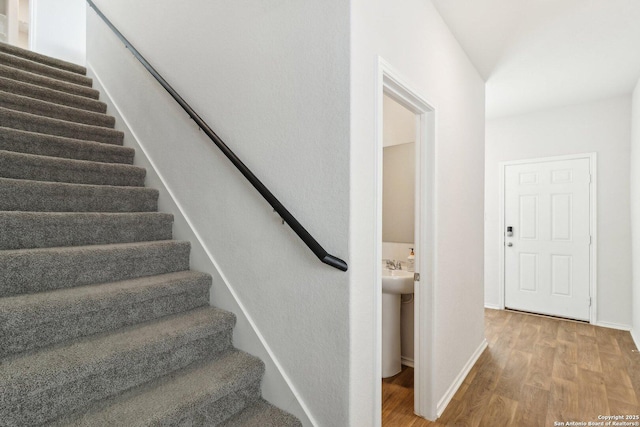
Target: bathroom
{"x":398,"y":230}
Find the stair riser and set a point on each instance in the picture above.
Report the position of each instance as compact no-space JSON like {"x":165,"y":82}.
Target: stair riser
{"x":49,"y":401}
{"x":46,"y":82}
{"x":26,"y":334}
{"x":212,"y":413}
{"x":34,"y":123}
{"x":38,"y":168}
{"x":50,"y":95}
{"x":20,"y":195}
{"x":54,"y":111}
{"x":29,"y":271}
{"x":44,"y":70}
{"x":43,"y":59}
{"x":24,"y":230}
{"x":54,"y":146}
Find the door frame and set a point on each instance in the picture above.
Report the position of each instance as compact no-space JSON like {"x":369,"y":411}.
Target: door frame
{"x":392,"y":83}
{"x":593,"y":224}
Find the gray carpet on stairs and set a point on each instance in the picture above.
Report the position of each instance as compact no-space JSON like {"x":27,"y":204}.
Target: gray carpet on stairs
{"x":21,"y":141}
{"x":102,"y":323}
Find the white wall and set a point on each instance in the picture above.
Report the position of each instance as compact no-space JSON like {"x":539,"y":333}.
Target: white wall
{"x":412,"y":38}
{"x":398,"y":193}
{"x":273,"y":81}
{"x":635,"y":211}
{"x":602,"y":127}
{"x":58,"y":28}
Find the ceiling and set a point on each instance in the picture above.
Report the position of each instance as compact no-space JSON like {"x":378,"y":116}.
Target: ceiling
{"x":538,"y":54}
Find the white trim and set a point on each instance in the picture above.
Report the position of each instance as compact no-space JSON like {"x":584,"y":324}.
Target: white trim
{"x":98,"y":84}
{"x":407,"y":361}
{"x":636,"y":338}
{"x":442,"y":404}
{"x":593,"y":225}
{"x":493,"y":306}
{"x":612,"y":325}
{"x":392,"y":83}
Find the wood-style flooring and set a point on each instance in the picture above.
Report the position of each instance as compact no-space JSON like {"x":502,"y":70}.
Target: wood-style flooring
{"x":536,"y":371}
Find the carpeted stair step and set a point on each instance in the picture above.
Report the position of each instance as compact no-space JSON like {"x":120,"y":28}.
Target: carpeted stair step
{"x":25,"y":271}
{"x":203,"y":394}
{"x":45,"y":385}
{"x":51,"y":95}
{"x":262,"y":414}
{"x":38,"y":320}
{"x":47,"y":82}
{"x":43,"y":59}
{"x":44,"y":70}
{"x":26,"y":142}
{"x":41,"y":196}
{"x":26,"y":230}
{"x":39,"y":124}
{"x":54,"y":111}
{"x":55,"y":169}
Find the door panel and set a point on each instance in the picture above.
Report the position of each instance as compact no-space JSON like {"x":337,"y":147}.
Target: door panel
{"x":547,"y":258}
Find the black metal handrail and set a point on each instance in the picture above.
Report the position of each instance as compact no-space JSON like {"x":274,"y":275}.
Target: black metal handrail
{"x":286,"y":216}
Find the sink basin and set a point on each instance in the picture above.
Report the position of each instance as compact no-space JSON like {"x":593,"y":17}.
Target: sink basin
{"x":397,"y":281}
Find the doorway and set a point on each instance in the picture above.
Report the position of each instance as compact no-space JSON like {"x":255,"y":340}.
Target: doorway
{"x":392,"y":85}
{"x":548,"y":224}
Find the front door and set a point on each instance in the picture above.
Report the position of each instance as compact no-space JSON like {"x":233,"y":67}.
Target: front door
{"x":547,"y":238}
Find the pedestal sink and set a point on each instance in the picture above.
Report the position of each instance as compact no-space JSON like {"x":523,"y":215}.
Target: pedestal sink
{"x":394,"y":284}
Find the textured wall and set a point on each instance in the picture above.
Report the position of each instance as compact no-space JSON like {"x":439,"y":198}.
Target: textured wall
{"x":273,"y":81}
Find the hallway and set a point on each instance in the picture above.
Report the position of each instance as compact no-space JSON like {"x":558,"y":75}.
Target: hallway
{"x":536,"y":370}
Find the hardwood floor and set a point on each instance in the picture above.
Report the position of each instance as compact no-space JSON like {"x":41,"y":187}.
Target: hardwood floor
{"x":536,"y":371}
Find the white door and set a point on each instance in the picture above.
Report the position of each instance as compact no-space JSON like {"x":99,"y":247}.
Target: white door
{"x":547,"y":247}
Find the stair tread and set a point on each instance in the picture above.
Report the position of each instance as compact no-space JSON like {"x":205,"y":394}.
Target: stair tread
{"x":47,"y":196}
{"x":51,"y":95}
{"x":38,"y":57}
{"x":18,"y":309}
{"x":47,"y":82}
{"x":37,"y":320}
{"x":41,"y":269}
{"x":166,"y":400}
{"x":262,"y":414}
{"x":43,"y":69}
{"x":81,"y":357}
{"x":56,"y":229}
{"x":50,"y":109}
{"x":40,"y":124}
{"x":22,"y":141}
{"x":26,"y":104}
{"x":57,"y":169}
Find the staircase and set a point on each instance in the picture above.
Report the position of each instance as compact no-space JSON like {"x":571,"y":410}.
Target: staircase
{"x":101,"y":321}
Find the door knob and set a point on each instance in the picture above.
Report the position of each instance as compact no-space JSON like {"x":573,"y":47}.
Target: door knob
{"x":509,"y":244}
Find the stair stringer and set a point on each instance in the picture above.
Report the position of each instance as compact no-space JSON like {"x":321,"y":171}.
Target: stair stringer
{"x":277,"y":387}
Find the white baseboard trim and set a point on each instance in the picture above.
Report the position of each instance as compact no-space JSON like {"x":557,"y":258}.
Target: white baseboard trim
{"x":493,"y":306}
{"x":407,"y":362}
{"x":444,"y":402}
{"x":635,"y":334}
{"x":614,"y":326}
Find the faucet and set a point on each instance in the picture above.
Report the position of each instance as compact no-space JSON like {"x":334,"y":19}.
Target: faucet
{"x":394,"y":265}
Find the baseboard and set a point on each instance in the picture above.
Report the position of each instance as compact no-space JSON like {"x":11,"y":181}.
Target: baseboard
{"x":277,"y":387}
{"x":407,"y":362}
{"x":614,"y":326}
{"x":492,"y":306}
{"x":444,"y":402}
{"x":635,"y":334}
